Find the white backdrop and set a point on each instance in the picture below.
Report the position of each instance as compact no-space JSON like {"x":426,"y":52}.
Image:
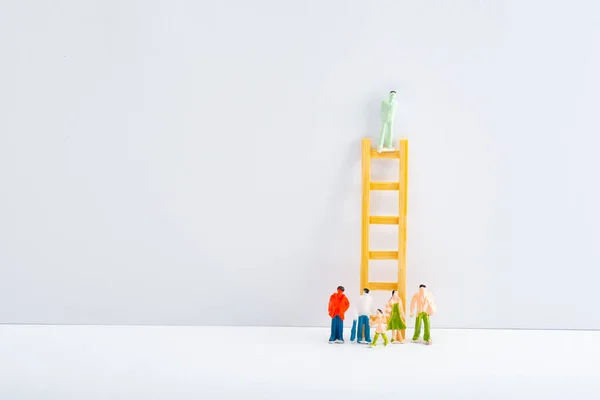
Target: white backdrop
{"x":185,"y":162}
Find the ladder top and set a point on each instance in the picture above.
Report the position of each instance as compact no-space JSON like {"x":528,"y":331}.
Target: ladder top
{"x":385,"y":154}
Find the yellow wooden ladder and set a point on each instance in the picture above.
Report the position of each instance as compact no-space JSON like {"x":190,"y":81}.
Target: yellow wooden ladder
{"x":367,"y":219}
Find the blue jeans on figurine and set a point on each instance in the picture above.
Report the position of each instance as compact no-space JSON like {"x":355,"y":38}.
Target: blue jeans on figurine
{"x":353,"y":331}
{"x":363,"y":323}
{"x":337,"y":330}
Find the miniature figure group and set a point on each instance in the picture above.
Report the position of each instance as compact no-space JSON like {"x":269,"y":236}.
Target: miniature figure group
{"x":394,"y":318}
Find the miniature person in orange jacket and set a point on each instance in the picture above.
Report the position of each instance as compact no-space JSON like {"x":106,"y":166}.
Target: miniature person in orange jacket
{"x":338,"y":305}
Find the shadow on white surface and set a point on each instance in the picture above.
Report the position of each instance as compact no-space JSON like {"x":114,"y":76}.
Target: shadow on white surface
{"x":112,"y":362}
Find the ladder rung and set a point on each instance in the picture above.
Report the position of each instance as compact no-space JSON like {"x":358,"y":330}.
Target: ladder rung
{"x":383,"y":285}
{"x":385,"y":185}
{"x":383,"y":255}
{"x":384,"y":220}
{"x":385,"y":154}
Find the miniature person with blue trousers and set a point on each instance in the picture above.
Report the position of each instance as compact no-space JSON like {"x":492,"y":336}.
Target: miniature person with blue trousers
{"x":338,"y":305}
{"x":365,"y":308}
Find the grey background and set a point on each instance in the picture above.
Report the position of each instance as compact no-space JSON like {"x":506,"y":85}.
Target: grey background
{"x":185,"y":162}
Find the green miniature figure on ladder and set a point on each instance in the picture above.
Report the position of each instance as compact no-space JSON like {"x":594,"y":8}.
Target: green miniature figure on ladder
{"x":388,"y":110}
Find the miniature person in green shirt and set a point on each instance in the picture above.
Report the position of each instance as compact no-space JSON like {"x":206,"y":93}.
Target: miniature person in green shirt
{"x":388,"y":110}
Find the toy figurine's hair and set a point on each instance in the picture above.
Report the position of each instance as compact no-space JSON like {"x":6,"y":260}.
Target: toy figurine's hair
{"x":421,"y":285}
{"x":366,"y":290}
{"x":379,"y":310}
{"x":341,"y":288}
{"x":393,"y":91}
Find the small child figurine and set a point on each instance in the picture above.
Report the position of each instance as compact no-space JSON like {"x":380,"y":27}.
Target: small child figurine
{"x":338,"y":305}
{"x":423,"y":300}
{"x":379,"y":323}
{"x":395,"y":310}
